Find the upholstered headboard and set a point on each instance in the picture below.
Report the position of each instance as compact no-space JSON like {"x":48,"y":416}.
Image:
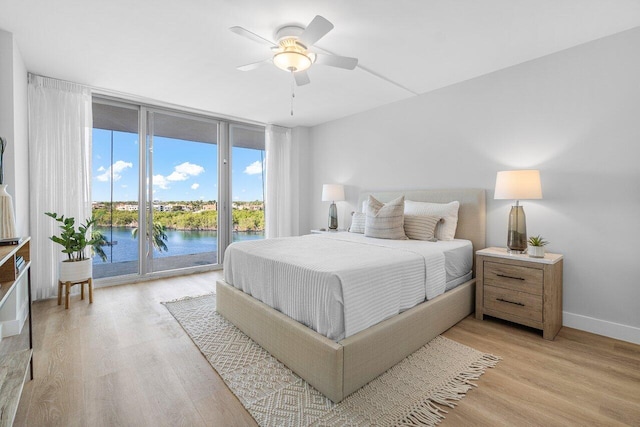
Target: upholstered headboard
{"x":471,"y":216}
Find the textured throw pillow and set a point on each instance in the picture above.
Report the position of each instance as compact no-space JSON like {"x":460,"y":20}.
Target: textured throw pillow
{"x":446,"y":229}
{"x":357,"y":223}
{"x":421,"y":227}
{"x":385,"y":220}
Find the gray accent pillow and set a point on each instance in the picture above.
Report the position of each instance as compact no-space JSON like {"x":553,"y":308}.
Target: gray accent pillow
{"x":357,"y":223}
{"x":385,"y":220}
{"x":421,"y":227}
{"x":446,"y":229}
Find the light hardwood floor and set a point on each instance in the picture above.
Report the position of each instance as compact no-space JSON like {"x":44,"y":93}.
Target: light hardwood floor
{"x":124,"y":360}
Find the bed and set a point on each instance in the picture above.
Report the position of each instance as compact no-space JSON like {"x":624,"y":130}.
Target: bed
{"x":337,"y":369}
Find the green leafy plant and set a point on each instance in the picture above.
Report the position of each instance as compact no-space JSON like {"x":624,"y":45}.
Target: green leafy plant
{"x":74,"y":241}
{"x":537,"y":241}
{"x":100,"y":241}
{"x":159,"y":236}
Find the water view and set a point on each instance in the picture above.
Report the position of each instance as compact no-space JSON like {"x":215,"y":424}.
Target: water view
{"x":179,"y":242}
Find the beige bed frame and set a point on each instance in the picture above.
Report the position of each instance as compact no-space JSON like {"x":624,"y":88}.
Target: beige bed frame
{"x":337,"y":369}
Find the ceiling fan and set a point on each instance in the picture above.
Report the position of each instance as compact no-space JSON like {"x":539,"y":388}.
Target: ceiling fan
{"x":292,"y":51}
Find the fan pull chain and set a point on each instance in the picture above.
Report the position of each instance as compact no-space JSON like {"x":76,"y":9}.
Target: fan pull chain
{"x":293,"y":87}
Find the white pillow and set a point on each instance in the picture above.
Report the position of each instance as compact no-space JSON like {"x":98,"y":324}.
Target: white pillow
{"x":358,"y":220}
{"x":446,"y":229}
{"x":421,"y":227}
{"x":385,"y":220}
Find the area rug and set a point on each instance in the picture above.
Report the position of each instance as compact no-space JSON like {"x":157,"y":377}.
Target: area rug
{"x":412,"y":393}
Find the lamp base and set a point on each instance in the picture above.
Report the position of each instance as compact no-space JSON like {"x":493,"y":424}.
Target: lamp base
{"x":333,"y":217}
{"x":517,"y":234}
{"x":515,"y":252}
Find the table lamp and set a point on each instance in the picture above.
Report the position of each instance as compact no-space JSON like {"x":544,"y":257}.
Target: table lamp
{"x":518,"y":185}
{"x":333,"y":193}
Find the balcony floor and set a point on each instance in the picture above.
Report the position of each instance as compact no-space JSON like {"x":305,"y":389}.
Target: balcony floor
{"x":103,"y":270}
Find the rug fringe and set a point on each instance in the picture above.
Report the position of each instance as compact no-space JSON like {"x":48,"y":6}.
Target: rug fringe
{"x":426,"y":413}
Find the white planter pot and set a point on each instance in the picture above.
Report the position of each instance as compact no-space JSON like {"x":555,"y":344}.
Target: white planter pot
{"x":75,"y":271}
{"x":536,"y":251}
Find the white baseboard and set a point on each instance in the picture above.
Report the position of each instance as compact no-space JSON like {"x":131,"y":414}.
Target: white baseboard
{"x":14,"y":327}
{"x":601,"y":327}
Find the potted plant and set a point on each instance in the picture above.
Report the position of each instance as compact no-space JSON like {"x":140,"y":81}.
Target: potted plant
{"x":77,"y":266}
{"x":536,"y":246}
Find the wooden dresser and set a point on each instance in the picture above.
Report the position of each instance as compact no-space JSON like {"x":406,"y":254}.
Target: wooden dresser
{"x":520,"y":289}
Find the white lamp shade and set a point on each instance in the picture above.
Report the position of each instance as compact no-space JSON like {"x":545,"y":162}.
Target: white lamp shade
{"x":332,"y":192}
{"x":518,"y":185}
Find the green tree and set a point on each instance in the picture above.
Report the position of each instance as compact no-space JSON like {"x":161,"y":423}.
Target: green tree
{"x":159,"y":236}
{"x":99,"y":240}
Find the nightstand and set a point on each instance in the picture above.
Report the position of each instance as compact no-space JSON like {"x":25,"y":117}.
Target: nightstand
{"x":520,"y":289}
{"x":318,"y":231}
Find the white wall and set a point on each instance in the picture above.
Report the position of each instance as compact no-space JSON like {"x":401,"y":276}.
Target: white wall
{"x":575,"y":115}
{"x":14,"y":127}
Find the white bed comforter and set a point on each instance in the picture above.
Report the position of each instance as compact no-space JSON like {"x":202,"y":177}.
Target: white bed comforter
{"x":337,"y":284}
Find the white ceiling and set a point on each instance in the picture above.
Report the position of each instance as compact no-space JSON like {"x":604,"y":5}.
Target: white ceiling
{"x":181,"y":52}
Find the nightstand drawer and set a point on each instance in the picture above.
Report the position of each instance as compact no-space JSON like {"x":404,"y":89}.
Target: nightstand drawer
{"x":515,"y":277}
{"x":519,"y":304}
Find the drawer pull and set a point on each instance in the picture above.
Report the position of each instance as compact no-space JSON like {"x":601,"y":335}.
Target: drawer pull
{"x":509,"y":277}
{"x":510,"y":302}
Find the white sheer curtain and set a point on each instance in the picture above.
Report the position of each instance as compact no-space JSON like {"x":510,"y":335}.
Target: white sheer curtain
{"x":60,"y":127}
{"x":281,"y":183}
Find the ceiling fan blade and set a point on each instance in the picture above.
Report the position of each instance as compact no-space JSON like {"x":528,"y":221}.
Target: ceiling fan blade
{"x":302,"y":78}
{"x":315,"y":31}
{"x":251,"y":36}
{"x":254,"y":65}
{"x":336,"y":61}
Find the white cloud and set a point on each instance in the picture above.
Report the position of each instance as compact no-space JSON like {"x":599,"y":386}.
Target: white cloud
{"x":254,"y":168}
{"x":116,"y":169}
{"x":184,"y":171}
{"x":101,"y":169}
{"x":177,"y":176}
{"x":195,"y":186}
{"x":161,"y":182}
{"x":236,"y":198}
{"x":190,"y":169}
{"x":124,"y":186}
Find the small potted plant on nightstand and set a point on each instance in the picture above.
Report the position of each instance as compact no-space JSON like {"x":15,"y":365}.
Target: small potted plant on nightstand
{"x":536,"y":246}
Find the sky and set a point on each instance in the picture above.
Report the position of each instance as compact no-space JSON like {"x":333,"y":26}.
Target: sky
{"x":182,"y":170}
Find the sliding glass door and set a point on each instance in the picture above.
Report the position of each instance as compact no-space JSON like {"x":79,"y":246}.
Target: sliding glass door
{"x":171,"y":190}
{"x":182,"y":220}
{"x":115,"y":183}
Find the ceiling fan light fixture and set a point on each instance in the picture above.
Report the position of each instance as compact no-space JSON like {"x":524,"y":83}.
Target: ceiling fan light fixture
{"x":292,"y":61}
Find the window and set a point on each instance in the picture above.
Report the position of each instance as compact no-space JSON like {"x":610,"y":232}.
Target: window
{"x":162,"y":188}
{"x":115,"y":167}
